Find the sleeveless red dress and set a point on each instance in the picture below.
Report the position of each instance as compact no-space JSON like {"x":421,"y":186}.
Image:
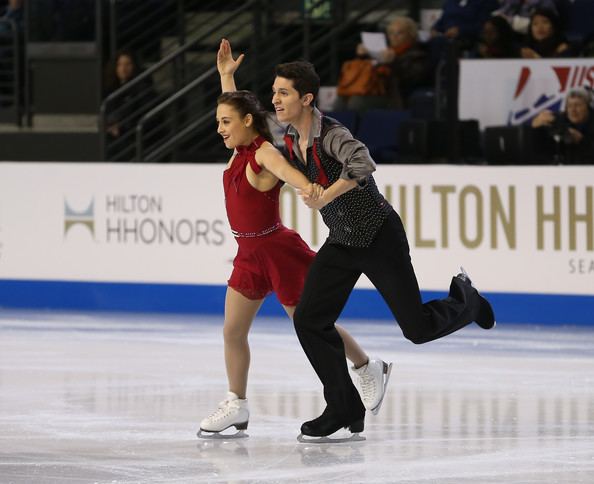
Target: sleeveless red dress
{"x":270,"y":257}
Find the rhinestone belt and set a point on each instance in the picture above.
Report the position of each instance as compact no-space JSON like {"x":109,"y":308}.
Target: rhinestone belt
{"x":256,"y":234}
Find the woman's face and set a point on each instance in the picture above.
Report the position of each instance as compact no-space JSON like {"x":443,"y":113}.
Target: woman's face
{"x":235,"y":129}
{"x":490,"y":34}
{"x":397,"y":34}
{"x":542,"y":28}
{"x":577,"y":110}
{"x":124,"y":68}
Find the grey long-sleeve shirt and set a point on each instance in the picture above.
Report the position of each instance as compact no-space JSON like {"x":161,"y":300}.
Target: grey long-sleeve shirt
{"x":340,"y":145}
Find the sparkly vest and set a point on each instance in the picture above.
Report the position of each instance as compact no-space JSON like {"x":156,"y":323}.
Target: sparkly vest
{"x":355,"y":217}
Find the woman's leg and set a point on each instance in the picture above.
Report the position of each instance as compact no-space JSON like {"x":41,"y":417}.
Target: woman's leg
{"x":353,"y":351}
{"x":239,"y":314}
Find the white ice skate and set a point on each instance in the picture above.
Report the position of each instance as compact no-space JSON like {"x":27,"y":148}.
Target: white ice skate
{"x":373,"y":380}
{"x":232,"y":412}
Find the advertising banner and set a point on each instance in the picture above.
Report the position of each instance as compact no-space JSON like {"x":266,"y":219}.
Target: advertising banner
{"x":514,"y":229}
{"x":512,"y":92}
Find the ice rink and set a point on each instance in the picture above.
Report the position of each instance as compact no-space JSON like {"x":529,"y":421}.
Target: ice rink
{"x":91,"y":398}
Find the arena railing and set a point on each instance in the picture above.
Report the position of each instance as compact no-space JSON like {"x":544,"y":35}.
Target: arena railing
{"x":190,"y":135}
{"x":160,"y":81}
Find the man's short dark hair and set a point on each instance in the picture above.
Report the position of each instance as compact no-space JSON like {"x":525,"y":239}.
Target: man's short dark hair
{"x":303,"y":74}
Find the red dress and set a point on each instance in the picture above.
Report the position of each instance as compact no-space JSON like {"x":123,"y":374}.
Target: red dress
{"x":270,"y":257}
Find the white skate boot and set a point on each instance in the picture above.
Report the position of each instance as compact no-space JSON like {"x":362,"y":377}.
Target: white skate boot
{"x":373,"y":380}
{"x":232,"y":412}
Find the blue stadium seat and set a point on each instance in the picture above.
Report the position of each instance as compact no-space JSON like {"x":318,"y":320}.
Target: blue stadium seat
{"x":347,"y":118}
{"x":421,"y":103}
{"x":379,"y":129}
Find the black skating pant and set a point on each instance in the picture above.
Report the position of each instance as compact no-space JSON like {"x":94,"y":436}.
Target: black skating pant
{"x":386,"y":262}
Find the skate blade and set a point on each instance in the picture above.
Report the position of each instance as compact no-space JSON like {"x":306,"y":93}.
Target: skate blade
{"x":376,"y":409}
{"x":306,"y":439}
{"x":240,"y":434}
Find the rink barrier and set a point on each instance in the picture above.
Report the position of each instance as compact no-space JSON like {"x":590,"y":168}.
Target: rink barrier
{"x":365,"y":304}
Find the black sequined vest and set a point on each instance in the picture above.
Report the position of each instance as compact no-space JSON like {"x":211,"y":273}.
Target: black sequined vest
{"x":353,"y":218}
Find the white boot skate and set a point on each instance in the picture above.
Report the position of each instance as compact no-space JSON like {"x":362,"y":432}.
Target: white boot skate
{"x":232,"y":412}
{"x":373,"y":380}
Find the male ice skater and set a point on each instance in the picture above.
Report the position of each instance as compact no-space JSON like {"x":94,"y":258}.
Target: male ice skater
{"x":366,"y":237}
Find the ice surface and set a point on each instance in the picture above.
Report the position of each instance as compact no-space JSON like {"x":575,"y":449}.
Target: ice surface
{"x":88,"y":398}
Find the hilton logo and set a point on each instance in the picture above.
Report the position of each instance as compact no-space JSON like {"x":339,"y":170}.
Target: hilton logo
{"x":86,"y":217}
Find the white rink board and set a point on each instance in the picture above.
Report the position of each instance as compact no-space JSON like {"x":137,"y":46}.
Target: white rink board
{"x":167,"y":224}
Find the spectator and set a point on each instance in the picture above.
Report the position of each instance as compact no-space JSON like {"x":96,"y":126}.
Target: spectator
{"x":14,"y":11}
{"x":400,"y":69}
{"x":498,"y":40}
{"x":545,"y":37}
{"x":462,"y":20}
{"x":570,"y":134}
{"x":126,"y":109}
{"x":587,"y":47}
{"x":519,"y":12}
{"x":123,"y":117}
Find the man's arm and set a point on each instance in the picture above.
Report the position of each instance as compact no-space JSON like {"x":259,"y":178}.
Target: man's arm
{"x":354,"y":155}
{"x":335,"y":190}
{"x":227,"y":66}
{"x":357,"y":165}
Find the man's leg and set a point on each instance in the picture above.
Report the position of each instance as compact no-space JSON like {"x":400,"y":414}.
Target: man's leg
{"x":330,"y":280}
{"x":387,"y":264}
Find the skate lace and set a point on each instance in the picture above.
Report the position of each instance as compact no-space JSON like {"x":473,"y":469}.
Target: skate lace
{"x":368,"y":385}
{"x":226,"y":407}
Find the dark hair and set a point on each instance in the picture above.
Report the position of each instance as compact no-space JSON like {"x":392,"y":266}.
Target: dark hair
{"x":546,"y":47}
{"x":111,"y":81}
{"x":246,"y":102}
{"x":304,"y":76}
{"x":505,"y":45}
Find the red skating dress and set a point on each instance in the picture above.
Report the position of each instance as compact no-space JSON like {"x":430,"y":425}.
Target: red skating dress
{"x":270,"y":257}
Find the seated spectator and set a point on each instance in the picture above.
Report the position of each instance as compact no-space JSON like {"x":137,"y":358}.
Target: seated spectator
{"x":15,"y":12}
{"x":569,"y":135}
{"x":519,"y":12}
{"x":545,"y":37}
{"x":498,"y":40}
{"x":587,"y":47}
{"x":401,"y":68}
{"x":462,"y":20}
{"x":123,"y":117}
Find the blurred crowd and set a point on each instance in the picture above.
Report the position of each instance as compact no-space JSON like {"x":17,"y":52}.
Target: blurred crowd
{"x":477,"y":29}
{"x":389,"y":78}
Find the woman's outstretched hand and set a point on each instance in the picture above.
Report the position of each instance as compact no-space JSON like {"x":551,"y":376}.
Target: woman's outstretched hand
{"x":225,"y":62}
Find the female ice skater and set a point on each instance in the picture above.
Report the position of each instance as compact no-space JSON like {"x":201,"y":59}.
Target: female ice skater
{"x":270,"y":257}
{"x":366,"y":237}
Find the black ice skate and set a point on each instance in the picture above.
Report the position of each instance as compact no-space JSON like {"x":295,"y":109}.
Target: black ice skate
{"x":320,"y":430}
{"x":485,"y":317}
